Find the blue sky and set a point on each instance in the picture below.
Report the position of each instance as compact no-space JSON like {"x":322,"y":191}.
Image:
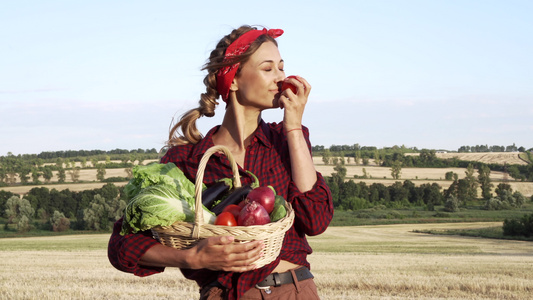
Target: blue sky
{"x":112,"y":74}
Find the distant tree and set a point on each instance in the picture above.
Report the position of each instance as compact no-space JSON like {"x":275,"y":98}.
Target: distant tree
{"x":19,"y":212}
{"x":47,"y":174}
{"x":377,"y":157}
{"x":83,"y":161}
{"x":340,"y":170}
{"x":94,"y":162}
{"x":100,"y":172}
{"x":471,"y":182}
{"x":451,"y":204}
{"x":24,"y":171}
{"x":75,"y":174}
{"x":501,"y":188}
{"x":326,"y":156}
{"x":129,"y":171}
{"x":396,"y":169}
{"x":61,"y":175}
{"x":485,"y":182}
{"x":357,"y":157}
{"x":511,"y":148}
{"x":35,"y":174}
{"x":449,"y":175}
{"x":59,"y":222}
{"x":102,"y":212}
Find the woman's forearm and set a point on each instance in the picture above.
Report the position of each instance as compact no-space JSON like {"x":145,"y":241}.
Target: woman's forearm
{"x":163,"y":256}
{"x":303,"y":168}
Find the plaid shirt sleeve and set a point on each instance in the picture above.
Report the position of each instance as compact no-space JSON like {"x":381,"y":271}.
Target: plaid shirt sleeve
{"x":313,"y":209}
{"x":125,"y":251}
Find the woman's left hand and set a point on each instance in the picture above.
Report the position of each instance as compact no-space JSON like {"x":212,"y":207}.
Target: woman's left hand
{"x":294,"y":103}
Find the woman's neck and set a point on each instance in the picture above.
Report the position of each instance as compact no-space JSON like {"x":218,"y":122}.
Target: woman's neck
{"x":237,"y":128}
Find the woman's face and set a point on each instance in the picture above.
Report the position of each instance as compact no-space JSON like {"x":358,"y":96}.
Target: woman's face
{"x":258,"y":81}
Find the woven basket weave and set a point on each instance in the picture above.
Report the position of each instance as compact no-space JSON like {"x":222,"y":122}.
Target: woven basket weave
{"x":183,"y":235}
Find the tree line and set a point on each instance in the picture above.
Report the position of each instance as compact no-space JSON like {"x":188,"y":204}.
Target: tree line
{"x":370,"y":149}
{"x":50,"y":209}
{"x":97,"y":209}
{"x":31,"y":169}
{"x":47,"y":155}
{"x":349,"y":195}
{"x":396,"y":159}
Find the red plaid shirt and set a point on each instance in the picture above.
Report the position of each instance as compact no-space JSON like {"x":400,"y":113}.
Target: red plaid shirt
{"x":267,"y":157}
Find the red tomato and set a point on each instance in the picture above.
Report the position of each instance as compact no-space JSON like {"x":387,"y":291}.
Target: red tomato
{"x":226,"y":219}
{"x":234,"y":209}
{"x":287,"y":85}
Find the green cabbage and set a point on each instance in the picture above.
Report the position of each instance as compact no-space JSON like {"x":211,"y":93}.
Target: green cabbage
{"x":160,"y":205}
{"x":159,"y":194}
{"x":159,"y":174}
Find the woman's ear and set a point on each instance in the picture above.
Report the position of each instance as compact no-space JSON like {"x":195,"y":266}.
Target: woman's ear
{"x":234,"y":87}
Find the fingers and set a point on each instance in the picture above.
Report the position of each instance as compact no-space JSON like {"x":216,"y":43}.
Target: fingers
{"x":223,"y":253}
{"x":303,"y":87}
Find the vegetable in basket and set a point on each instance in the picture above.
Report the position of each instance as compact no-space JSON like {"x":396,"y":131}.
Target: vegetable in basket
{"x":215,"y":192}
{"x":236,"y":195}
{"x":159,"y":194}
{"x":159,"y":174}
{"x":160,"y":205}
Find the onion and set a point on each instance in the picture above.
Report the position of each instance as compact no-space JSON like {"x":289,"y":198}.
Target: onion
{"x":253,"y":213}
{"x":263,"y":195}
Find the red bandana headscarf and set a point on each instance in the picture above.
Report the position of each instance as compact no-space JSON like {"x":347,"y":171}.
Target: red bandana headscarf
{"x":226,"y":74}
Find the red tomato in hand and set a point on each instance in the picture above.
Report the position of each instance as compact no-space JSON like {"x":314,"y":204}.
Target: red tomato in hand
{"x":234,"y":209}
{"x":285,"y":85}
{"x":226,"y":219}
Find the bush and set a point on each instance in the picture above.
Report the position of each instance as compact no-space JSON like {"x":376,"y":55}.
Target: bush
{"x":496,"y":204}
{"x":59,"y":222}
{"x":115,"y":179}
{"x":452,"y":204}
{"x":523,"y":226}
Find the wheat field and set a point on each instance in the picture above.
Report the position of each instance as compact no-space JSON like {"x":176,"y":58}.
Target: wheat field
{"x":364,"y":262}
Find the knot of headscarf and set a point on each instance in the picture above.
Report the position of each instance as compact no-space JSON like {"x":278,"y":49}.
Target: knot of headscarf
{"x":226,"y":74}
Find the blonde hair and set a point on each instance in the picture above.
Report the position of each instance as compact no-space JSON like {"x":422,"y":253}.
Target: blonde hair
{"x":208,"y":100}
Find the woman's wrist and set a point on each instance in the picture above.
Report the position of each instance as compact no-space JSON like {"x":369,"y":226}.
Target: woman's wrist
{"x":293,"y":129}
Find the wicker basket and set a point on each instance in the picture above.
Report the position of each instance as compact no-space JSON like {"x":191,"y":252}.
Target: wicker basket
{"x":183,"y":235}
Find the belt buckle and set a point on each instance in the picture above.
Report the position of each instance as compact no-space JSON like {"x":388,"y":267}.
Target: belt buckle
{"x":265,"y":288}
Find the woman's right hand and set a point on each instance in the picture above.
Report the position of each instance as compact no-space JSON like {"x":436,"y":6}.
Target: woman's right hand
{"x":221,"y":253}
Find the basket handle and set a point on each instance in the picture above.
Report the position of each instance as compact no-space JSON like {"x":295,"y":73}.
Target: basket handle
{"x":199,"y":218}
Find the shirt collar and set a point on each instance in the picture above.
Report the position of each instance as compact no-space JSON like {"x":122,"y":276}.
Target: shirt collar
{"x":262,"y":135}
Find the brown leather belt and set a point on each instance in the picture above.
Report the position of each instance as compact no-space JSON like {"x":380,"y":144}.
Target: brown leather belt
{"x":277,"y":279}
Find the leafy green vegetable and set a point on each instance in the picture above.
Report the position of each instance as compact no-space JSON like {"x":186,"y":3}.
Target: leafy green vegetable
{"x":160,"y":205}
{"x":159,"y":194}
{"x":159,"y":174}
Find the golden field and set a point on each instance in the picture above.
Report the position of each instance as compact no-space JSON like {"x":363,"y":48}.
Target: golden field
{"x":363,"y":262}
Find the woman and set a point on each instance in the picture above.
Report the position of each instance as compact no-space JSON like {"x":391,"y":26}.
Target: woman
{"x":246,"y":70}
